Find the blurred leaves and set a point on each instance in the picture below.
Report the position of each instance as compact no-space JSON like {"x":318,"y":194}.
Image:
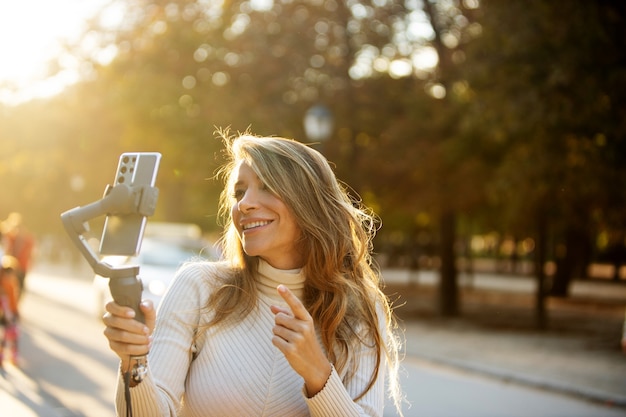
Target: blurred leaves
{"x":533,"y":111}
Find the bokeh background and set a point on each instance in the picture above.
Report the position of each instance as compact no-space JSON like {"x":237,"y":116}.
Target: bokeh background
{"x":485,"y":134}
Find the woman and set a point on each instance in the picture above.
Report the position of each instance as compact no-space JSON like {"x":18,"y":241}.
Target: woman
{"x":292,"y":323}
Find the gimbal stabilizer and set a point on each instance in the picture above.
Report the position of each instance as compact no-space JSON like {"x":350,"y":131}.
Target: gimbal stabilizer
{"x":121,"y":199}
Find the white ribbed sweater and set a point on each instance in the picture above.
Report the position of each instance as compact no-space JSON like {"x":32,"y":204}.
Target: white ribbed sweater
{"x":237,"y":371}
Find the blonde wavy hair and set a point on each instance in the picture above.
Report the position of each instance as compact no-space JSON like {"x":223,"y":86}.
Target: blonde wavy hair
{"x":342,"y":288}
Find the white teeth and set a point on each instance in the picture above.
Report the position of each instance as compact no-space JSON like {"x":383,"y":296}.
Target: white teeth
{"x":255,"y":224}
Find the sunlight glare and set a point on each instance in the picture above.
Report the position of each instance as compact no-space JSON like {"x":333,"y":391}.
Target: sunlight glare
{"x":425,"y":58}
{"x":400,"y":68}
{"x":32,"y":33}
{"x":261,"y":5}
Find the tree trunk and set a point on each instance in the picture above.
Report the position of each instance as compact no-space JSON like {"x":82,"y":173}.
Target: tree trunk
{"x":448,"y":289}
{"x":541,"y":320}
{"x":573,"y":264}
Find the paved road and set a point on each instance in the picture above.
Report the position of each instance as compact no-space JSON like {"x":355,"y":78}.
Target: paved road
{"x":68,"y":365}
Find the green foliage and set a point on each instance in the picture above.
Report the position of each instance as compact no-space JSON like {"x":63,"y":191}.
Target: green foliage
{"x":533,"y":115}
{"x":549,"y":95}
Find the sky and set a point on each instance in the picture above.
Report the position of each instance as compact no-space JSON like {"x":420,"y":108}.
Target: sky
{"x":31,"y":33}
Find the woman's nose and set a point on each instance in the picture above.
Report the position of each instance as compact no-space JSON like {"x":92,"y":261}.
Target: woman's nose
{"x":248,"y":202}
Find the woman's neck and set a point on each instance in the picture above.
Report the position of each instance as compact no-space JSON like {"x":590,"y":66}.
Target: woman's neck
{"x":269,"y":278}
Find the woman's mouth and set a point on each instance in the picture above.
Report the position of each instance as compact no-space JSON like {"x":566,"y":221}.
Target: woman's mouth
{"x":254,"y":225}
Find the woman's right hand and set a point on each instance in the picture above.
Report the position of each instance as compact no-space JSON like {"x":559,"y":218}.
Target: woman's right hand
{"x":127,"y":336}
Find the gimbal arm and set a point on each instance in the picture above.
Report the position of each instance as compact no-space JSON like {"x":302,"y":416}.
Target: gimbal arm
{"x":120,"y":199}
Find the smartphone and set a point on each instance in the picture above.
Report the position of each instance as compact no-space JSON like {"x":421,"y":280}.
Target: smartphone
{"x":122,"y":234}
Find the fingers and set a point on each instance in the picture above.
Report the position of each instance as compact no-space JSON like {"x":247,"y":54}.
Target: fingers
{"x":290,"y":329}
{"x":119,"y":310}
{"x":149,"y":312}
{"x":278,"y":309}
{"x":297,"y":308}
{"x":126,"y":335}
{"x":284,"y":318}
{"x":293,"y":324}
{"x":294,"y":335}
{"x":293,"y":321}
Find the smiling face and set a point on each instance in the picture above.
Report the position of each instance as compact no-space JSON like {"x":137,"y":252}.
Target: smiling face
{"x":264,"y":223}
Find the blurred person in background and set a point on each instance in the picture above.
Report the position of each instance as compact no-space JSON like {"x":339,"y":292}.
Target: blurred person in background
{"x":9,"y":310}
{"x":19,"y":243}
{"x":292,"y":323}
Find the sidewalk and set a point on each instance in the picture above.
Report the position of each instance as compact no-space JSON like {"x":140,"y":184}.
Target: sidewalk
{"x":495,"y":336}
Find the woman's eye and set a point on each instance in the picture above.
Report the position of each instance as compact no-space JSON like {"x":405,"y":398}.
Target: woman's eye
{"x":238,"y":194}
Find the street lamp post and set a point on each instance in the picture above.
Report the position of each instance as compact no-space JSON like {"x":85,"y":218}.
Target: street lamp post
{"x":318,"y":123}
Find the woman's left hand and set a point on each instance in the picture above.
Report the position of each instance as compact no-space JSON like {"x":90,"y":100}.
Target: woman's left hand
{"x":294,"y":336}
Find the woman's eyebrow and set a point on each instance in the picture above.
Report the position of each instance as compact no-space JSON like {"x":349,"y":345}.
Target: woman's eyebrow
{"x":239,"y":183}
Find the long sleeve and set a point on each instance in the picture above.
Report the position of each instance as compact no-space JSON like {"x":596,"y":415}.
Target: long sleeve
{"x":161,"y":392}
{"x":335,"y":399}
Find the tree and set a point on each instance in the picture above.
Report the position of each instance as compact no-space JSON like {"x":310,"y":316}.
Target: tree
{"x":241,"y":63}
{"x":440,"y":172}
{"x":183,"y":68}
{"x":551,"y":95}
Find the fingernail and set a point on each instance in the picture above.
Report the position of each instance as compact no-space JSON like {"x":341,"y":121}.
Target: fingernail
{"x":146,"y":330}
{"x":282,"y":288}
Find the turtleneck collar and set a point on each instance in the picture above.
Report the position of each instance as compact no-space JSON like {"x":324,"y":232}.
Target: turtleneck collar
{"x":270,"y":278}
